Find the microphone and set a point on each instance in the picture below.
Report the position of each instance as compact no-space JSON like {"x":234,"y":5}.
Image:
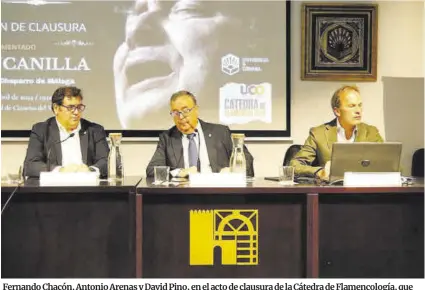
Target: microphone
{"x":13,"y":192}
{"x":9,"y":199}
{"x":70,"y":136}
{"x":54,"y":143}
{"x":198,"y":162}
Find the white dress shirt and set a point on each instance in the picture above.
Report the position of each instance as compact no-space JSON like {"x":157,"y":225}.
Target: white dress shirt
{"x":203,"y":152}
{"x":71,"y":148}
{"x":340,"y":132}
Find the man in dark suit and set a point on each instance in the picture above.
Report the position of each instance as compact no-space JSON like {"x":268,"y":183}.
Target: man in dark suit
{"x":179,"y":146}
{"x":347,"y":127}
{"x":66,"y":142}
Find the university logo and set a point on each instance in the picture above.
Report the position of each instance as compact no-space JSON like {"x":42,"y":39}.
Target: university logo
{"x":232,"y":233}
{"x":253,"y":89}
{"x":230,"y":64}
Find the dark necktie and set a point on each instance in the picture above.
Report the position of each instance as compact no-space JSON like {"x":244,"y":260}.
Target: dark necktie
{"x":193,"y":151}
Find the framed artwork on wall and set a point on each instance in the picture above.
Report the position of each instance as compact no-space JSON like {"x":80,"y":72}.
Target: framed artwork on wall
{"x":339,"y":41}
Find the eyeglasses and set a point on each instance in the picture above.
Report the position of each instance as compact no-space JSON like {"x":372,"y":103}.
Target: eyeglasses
{"x":184,"y":112}
{"x":72,"y":108}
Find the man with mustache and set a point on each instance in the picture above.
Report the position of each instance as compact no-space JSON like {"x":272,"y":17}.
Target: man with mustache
{"x":313,"y":160}
{"x":212,"y":143}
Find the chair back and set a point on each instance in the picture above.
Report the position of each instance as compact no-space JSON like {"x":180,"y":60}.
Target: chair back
{"x":418,"y":163}
{"x":290,"y":153}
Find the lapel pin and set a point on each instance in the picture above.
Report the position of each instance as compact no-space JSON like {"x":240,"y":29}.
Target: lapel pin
{"x":209,"y":135}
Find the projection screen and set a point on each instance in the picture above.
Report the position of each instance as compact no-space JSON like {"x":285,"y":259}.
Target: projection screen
{"x":129,"y":57}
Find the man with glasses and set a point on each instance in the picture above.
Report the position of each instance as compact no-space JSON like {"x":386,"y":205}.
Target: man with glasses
{"x":193,"y":145}
{"x":66,"y":142}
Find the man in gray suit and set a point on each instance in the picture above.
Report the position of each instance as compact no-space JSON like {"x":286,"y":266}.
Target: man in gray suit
{"x":179,"y":146}
{"x":66,"y":142}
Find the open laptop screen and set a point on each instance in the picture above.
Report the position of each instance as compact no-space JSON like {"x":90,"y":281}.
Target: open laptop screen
{"x":364,"y":157}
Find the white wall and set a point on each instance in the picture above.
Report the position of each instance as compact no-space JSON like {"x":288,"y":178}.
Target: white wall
{"x":404,"y":115}
{"x":400,"y":54}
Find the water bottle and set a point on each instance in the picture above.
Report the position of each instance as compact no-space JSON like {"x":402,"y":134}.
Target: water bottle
{"x":237,"y":159}
{"x":115,"y":162}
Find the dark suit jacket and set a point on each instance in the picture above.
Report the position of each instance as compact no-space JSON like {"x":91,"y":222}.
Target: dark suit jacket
{"x":318,"y":146}
{"x":45,"y":136}
{"x":169,"y":151}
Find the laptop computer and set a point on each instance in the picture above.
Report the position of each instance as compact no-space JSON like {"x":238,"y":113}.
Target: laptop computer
{"x":364,"y":157}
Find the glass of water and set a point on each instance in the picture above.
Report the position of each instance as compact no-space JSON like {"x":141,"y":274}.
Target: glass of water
{"x":162,"y":174}
{"x":13,"y":177}
{"x":286,"y":175}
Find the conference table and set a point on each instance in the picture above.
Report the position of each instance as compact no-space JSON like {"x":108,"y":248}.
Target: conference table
{"x":262,"y":230}
{"x":69,"y":231}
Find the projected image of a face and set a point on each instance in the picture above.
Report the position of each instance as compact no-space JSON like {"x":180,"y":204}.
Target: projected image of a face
{"x":169,"y":46}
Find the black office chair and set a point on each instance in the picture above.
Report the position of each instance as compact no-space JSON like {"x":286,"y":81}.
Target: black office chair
{"x":290,"y":153}
{"x":418,"y":163}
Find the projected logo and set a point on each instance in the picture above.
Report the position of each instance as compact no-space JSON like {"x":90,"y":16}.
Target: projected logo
{"x":243,"y":103}
{"x":253,"y":89}
{"x":230,"y":64}
{"x":230,"y":232}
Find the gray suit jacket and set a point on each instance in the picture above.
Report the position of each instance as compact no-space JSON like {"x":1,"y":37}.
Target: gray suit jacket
{"x":169,"y":151}
{"x":45,"y":137}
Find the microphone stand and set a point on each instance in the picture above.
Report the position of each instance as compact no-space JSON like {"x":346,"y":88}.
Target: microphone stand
{"x":54,"y":143}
